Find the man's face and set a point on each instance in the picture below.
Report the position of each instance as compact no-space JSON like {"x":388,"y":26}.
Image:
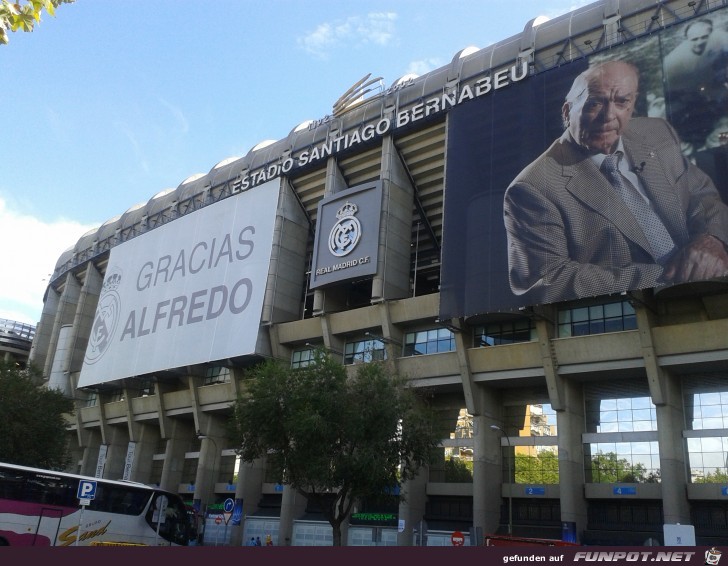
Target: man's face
{"x":599,"y":115}
{"x":697,"y":36}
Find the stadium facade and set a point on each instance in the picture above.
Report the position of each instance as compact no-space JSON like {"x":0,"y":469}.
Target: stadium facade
{"x":377,"y":232}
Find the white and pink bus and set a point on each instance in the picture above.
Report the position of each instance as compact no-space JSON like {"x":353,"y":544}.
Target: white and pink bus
{"x":41,"y":508}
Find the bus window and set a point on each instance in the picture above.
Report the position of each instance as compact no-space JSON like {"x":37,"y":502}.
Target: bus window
{"x":174,"y":526}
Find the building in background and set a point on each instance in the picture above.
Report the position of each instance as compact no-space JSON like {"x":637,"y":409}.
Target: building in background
{"x":16,"y":338}
{"x":377,"y":233}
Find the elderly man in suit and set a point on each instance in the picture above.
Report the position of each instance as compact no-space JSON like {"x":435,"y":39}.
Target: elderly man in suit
{"x":612,"y":205}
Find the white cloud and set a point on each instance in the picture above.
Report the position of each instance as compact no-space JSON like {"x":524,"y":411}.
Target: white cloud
{"x":424,"y":65}
{"x":375,"y":28}
{"x":29,"y":250}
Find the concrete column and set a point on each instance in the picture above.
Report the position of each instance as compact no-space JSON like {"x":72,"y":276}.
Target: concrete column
{"x":118,"y":442}
{"x":292,"y":506}
{"x":570,"y":424}
{"x":487,"y":475}
{"x":174,"y":457}
{"x":670,"y":423}
{"x":249,"y":489}
{"x":208,"y":466}
{"x":412,"y":508}
{"x":143,"y":453}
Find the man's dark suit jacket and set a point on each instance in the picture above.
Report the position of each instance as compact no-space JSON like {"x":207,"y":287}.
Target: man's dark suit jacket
{"x":569,"y":233}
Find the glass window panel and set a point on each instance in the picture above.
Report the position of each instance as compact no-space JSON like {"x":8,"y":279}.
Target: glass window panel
{"x":613,"y":310}
{"x":580,"y":314}
{"x":580,"y":329}
{"x":596,"y":327}
{"x":714,"y":422}
{"x":712,"y":411}
{"x":630,"y":322}
{"x":709,"y":399}
{"x":596,"y":312}
{"x":624,"y":416}
{"x":642,"y":426}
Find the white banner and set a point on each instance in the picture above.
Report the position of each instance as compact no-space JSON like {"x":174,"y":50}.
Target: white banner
{"x":129,"y":463}
{"x":186,"y":293}
{"x":101,"y":461}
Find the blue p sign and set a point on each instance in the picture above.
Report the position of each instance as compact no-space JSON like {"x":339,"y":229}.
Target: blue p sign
{"x":86,"y":489}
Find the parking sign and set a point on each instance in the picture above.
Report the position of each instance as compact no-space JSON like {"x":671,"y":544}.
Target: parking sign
{"x":86,"y":489}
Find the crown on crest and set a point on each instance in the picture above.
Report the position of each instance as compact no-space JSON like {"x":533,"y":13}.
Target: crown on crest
{"x":112,"y":282}
{"x":347,"y":209}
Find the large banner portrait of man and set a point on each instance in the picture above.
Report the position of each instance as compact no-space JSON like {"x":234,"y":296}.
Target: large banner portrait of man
{"x":609,"y":198}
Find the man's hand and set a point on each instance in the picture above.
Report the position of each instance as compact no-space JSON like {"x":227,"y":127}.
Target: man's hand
{"x":703,"y":258}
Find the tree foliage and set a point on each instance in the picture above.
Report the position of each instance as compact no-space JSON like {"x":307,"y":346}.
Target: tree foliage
{"x":32,"y":430}
{"x":335,"y":439}
{"x":18,"y":16}
{"x":541,"y":468}
{"x":609,"y":468}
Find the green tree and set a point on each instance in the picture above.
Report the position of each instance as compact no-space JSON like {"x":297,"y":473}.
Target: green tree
{"x":334,"y":438}
{"x":542,"y":468}
{"x":718,"y":476}
{"x":32,"y":427}
{"x":16,"y":16}
{"x":608,"y":468}
{"x":458,"y":471}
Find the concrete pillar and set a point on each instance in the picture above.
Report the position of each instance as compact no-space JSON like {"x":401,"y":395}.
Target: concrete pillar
{"x":670,"y":423}
{"x":570,"y":424}
{"x":487,"y":475}
{"x":118,"y":443}
{"x":412,"y":508}
{"x":292,"y":507}
{"x":174,"y":459}
{"x":208,"y":466}
{"x":249,"y":489}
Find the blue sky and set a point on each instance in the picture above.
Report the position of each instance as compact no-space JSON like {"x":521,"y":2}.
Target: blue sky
{"x":111,"y":102}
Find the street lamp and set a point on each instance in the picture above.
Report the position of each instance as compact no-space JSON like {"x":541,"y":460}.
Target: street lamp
{"x":510,"y":495}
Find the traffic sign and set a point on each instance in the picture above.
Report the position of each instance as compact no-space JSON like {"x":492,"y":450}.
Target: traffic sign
{"x":457,"y":539}
{"x":228,"y":507}
{"x":86,"y":489}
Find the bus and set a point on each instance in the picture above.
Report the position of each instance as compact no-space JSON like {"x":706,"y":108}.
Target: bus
{"x":41,"y":508}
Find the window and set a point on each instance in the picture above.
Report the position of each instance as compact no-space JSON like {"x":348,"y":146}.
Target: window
{"x":537,"y":419}
{"x":92,"y":399}
{"x":364,"y":351}
{"x":429,"y":341}
{"x":146,"y":387}
{"x":217,"y":374}
{"x":116,"y":395}
{"x":597,"y":319}
{"x":706,"y":413}
{"x":621,"y":415}
{"x":618,"y":462}
{"x":302,"y":358}
{"x":505,"y":332}
{"x":537,"y":464}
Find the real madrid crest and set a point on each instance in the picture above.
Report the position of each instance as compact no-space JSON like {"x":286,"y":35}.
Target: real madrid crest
{"x":106,"y":319}
{"x":345,"y":234}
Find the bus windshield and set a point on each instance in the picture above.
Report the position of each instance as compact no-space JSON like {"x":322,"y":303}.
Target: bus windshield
{"x":41,"y":508}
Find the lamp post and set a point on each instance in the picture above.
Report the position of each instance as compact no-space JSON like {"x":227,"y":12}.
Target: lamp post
{"x":510,"y":496}
{"x":217,"y":450}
